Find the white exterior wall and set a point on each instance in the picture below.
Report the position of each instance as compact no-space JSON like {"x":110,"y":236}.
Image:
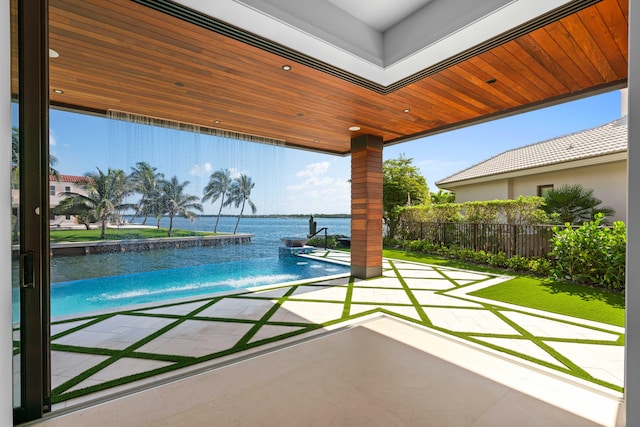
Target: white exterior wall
{"x":6,"y":370}
{"x":494,"y":190}
{"x":608,"y":181}
{"x":632,"y":296}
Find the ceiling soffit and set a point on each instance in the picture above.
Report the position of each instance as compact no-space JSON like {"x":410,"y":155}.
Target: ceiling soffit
{"x":221,"y":27}
{"x":427,"y":37}
{"x":123,"y":56}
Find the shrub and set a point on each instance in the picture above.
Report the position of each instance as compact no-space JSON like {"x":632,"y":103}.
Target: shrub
{"x":332,"y":241}
{"x":590,"y":254}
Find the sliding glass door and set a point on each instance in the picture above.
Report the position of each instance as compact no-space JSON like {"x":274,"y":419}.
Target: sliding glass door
{"x":31,"y":235}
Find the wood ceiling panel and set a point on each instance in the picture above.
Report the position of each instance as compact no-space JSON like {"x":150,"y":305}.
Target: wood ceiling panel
{"x":120,"y":55}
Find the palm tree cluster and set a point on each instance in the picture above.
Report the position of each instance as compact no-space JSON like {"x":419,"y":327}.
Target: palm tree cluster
{"x":104,"y":194}
{"x":236,"y":192}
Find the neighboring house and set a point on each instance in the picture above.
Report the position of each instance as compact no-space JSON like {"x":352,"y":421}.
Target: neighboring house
{"x":56,"y":187}
{"x":595,"y":158}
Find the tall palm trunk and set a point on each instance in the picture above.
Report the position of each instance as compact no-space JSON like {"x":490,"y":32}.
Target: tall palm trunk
{"x":239,"y":216}
{"x":215,"y":229}
{"x":169,"y":234}
{"x":103,"y":228}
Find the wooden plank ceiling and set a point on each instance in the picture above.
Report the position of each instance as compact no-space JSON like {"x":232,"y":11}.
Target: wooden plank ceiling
{"x":120,"y":55}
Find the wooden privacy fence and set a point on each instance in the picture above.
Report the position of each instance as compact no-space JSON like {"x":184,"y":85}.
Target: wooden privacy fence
{"x":512,"y":239}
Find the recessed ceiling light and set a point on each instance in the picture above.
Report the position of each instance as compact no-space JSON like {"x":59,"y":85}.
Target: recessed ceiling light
{"x":316,"y":140}
{"x":179,"y":84}
{"x":216,"y":122}
{"x":286,"y":67}
{"x":53,"y":53}
{"x":491,"y":81}
{"x":300,"y":114}
{"x":354,"y":128}
{"x":406,"y":110}
{"x":58,"y":91}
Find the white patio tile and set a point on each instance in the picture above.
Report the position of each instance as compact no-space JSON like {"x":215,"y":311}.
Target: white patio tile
{"x":117,"y":333}
{"x":469,"y":320}
{"x":431,"y":298}
{"x":341,"y":281}
{"x":383,"y":282}
{"x":177,"y":309}
{"x":238,"y":308}
{"x":327,"y":293}
{"x":272,"y":293}
{"x":540,"y":327}
{"x":523,"y":346}
{"x":420,"y":274}
{"x":310,"y":312}
{"x":67,"y":365}
{"x":57,"y":328}
{"x":197,"y":338}
{"x":382,"y":296}
{"x":435,"y":284}
{"x":464,"y":275}
{"x":121,"y":368}
{"x":361,"y":308}
{"x":605,"y":362}
{"x":270,"y":331}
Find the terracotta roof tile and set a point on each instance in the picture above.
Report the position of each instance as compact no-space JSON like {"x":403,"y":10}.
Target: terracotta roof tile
{"x":69,"y":178}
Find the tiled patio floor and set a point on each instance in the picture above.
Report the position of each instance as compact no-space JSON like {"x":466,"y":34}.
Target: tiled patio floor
{"x":116,"y":350}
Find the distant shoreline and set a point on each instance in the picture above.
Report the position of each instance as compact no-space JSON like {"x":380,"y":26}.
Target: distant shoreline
{"x":279,"y":216}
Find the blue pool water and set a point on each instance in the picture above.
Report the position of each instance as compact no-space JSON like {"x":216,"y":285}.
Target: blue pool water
{"x":113,"y":280}
{"x":80,"y":296}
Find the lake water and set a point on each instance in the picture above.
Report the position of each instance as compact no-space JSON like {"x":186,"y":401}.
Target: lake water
{"x":265,"y":244}
{"x":102,"y":271}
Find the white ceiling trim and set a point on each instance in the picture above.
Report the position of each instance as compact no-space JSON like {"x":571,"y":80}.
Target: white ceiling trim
{"x":516,"y":13}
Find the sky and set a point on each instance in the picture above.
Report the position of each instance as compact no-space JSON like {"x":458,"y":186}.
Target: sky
{"x":291,"y":181}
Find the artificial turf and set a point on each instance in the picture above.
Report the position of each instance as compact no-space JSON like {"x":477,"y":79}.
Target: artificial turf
{"x":600,"y":305}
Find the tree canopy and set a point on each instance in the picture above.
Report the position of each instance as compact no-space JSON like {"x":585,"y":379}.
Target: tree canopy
{"x":402,"y":185}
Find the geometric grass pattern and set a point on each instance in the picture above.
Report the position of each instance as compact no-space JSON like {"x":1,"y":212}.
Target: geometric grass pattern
{"x":95,"y":353}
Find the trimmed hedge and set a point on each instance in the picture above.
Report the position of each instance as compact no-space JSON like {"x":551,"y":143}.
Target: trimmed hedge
{"x":536,"y":265}
{"x":591,"y":254}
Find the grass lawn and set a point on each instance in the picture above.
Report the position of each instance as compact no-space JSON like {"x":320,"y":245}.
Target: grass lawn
{"x":557,"y":297}
{"x":93,"y":235}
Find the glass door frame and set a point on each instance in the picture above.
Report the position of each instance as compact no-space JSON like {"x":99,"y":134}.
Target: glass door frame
{"x":33,"y":95}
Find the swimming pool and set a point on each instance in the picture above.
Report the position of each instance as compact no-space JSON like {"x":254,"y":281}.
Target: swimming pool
{"x":80,"y":296}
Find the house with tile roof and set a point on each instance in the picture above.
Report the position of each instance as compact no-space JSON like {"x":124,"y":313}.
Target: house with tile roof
{"x":595,"y":158}
{"x":59,"y":185}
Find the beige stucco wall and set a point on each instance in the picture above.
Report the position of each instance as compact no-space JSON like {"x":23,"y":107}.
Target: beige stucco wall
{"x":608,"y":181}
{"x":494,"y":190}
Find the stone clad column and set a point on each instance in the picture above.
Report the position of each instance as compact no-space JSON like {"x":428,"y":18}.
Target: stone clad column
{"x":366,"y":206}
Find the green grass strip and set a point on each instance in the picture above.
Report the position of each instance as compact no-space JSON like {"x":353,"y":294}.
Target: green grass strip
{"x":263,"y":320}
{"x":412,"y":297}
{"x":93,"y":235}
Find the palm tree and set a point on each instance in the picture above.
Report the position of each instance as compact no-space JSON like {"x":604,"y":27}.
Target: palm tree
{"x":178,"y":203}
{"x":574,"y":204}
{"x":218,"y":187}
{"x":147,"y":182}
{"x":104,"y":199}
{"x":240,"y":195}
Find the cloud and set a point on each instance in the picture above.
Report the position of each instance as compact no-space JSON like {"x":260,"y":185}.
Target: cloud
{"x":235,"y":173}
{"x":318,"y":187}
{"x":313,"y":170}
{"x":52,"y":139}
{"x":199,"y":170}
